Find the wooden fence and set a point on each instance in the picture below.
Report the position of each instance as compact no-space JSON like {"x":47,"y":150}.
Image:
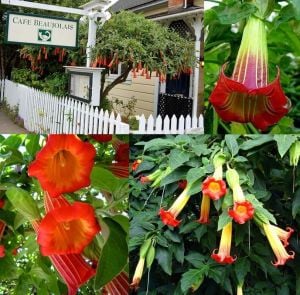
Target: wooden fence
{"x":174,"y":125}
{"x":46,"y":113}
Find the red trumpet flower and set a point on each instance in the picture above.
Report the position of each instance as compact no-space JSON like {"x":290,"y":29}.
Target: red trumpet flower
{"x":102,"y":138}
{"x":63,"y":165}
{"x":136,"y":164}
{"x":68,"y":229}
{"x":214,"y":188}
{"x":2,"y":203}
{"x":241,"y":212}
{"x":247,"y":96}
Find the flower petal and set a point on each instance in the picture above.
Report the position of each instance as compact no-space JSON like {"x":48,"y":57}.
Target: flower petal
{"x":64,"y":164}
{"x":68,"y":229}
{"x":168,"y":219}
{"x":262,"y":107}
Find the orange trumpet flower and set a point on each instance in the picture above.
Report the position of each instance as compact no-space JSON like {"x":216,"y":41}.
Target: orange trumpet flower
{"x":63,"y":165}
{"x":214,"y":188}
{"x":67,"y":229}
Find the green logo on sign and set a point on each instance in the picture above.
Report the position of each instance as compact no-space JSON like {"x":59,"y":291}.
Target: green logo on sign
{"x":44,"y":35}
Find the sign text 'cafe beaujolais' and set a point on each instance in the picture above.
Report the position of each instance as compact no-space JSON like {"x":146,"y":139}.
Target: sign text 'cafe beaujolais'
{"x":41,"y":30}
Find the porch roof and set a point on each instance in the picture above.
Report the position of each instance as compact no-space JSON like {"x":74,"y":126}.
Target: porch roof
{"x":130,"y":4}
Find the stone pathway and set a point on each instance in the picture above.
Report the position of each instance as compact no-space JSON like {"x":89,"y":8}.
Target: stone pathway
{"x":7,"y":126}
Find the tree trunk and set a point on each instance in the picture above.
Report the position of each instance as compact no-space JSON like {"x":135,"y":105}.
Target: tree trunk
{"x":120,"y":79}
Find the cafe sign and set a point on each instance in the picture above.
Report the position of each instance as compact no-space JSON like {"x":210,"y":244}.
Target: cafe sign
{"x":41,"y":30}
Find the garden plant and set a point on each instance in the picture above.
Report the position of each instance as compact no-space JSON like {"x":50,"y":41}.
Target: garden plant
{"x":63,"y":221}
{"x":215,"y":215}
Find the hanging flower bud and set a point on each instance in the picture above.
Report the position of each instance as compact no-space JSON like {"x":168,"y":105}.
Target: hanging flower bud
{"x":294,"y":153}
{"x":138,"y":274}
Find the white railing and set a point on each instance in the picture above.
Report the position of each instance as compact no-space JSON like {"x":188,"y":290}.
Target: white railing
{"x":46,"y":113}
{"x":181,"y":125}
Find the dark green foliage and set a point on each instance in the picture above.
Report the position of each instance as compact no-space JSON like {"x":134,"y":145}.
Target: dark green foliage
{"x":182,"y":259}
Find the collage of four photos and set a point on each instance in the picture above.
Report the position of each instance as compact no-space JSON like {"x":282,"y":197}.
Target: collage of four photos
{"x":149,"y":147}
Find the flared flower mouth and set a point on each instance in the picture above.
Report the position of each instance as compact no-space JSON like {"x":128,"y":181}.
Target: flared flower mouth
{"x":136,"y":164}
{"x":241,"y":212}
{"x":284,"y":235}
{"x":138,"y":274}
{"x":68,"y":229}
{"x":223,"y":255}
{"x":263,"y":106}
{"x":213,"y":188}
{"x":204,"y":210}
{"x":168,"y":218}
{"x":63,"y":165}
{"x":248,"y":96}
{"x":281,"y":254}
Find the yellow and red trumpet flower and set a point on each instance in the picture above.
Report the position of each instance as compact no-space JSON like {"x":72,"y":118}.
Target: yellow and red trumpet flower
{"x":248,"y":96}
{"x":63,"y":165}
{"x":242,"y":210}
{"x":136,"y":164}
{"x":274,"y":238}
{"x":214,"y":188}
{"x":168,"y":217}
{"x":223,"y":256}
{"x":204,"y":210}
{"x":284,"y":235}
{"x":138,"y":273}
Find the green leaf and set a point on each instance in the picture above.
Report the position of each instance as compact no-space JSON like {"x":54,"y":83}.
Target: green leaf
{"x":8,"y":268}
{"x":177,"y":158}
{"x":178,"y":250}
{"x":174,"y":176}
{"x":23,"y":203}
{"x":195,"y":174}
{"x":284,"y":143}
{"x":234,"y":12}
{"x":201,"y":149}
{"x":164,"y":258}
{"x":241,"y":267}
{"x":13,"y":141}
{"x":224,"y":219}
{"x":232,"y":144}
{"x":189,"y":227}
{"x":256,"y":141}
{"x":158,"y":144}
{"x":296,"y":203}
{"x":103,"y":179}
{"x":193,"y":278}
{"x":172,"y":236}
{"x":114,"y":254}
{"x":32,"y":144}
{"x":195,"y":259}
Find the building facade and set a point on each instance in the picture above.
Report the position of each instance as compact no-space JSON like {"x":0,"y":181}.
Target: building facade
{"x":154,"y":97}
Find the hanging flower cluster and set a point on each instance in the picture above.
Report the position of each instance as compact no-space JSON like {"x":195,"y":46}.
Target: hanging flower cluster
{"x":241,"y":210}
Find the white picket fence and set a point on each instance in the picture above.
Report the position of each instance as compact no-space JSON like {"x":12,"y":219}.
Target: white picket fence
{"x":46,"y":113}
{"x":181,"y":125}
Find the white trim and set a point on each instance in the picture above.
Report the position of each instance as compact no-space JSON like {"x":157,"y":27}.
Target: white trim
{"x":179,"y":15}
{"x":41,"y":6}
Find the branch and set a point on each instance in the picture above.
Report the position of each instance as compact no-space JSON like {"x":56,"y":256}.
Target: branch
{"x":121,"y":79}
